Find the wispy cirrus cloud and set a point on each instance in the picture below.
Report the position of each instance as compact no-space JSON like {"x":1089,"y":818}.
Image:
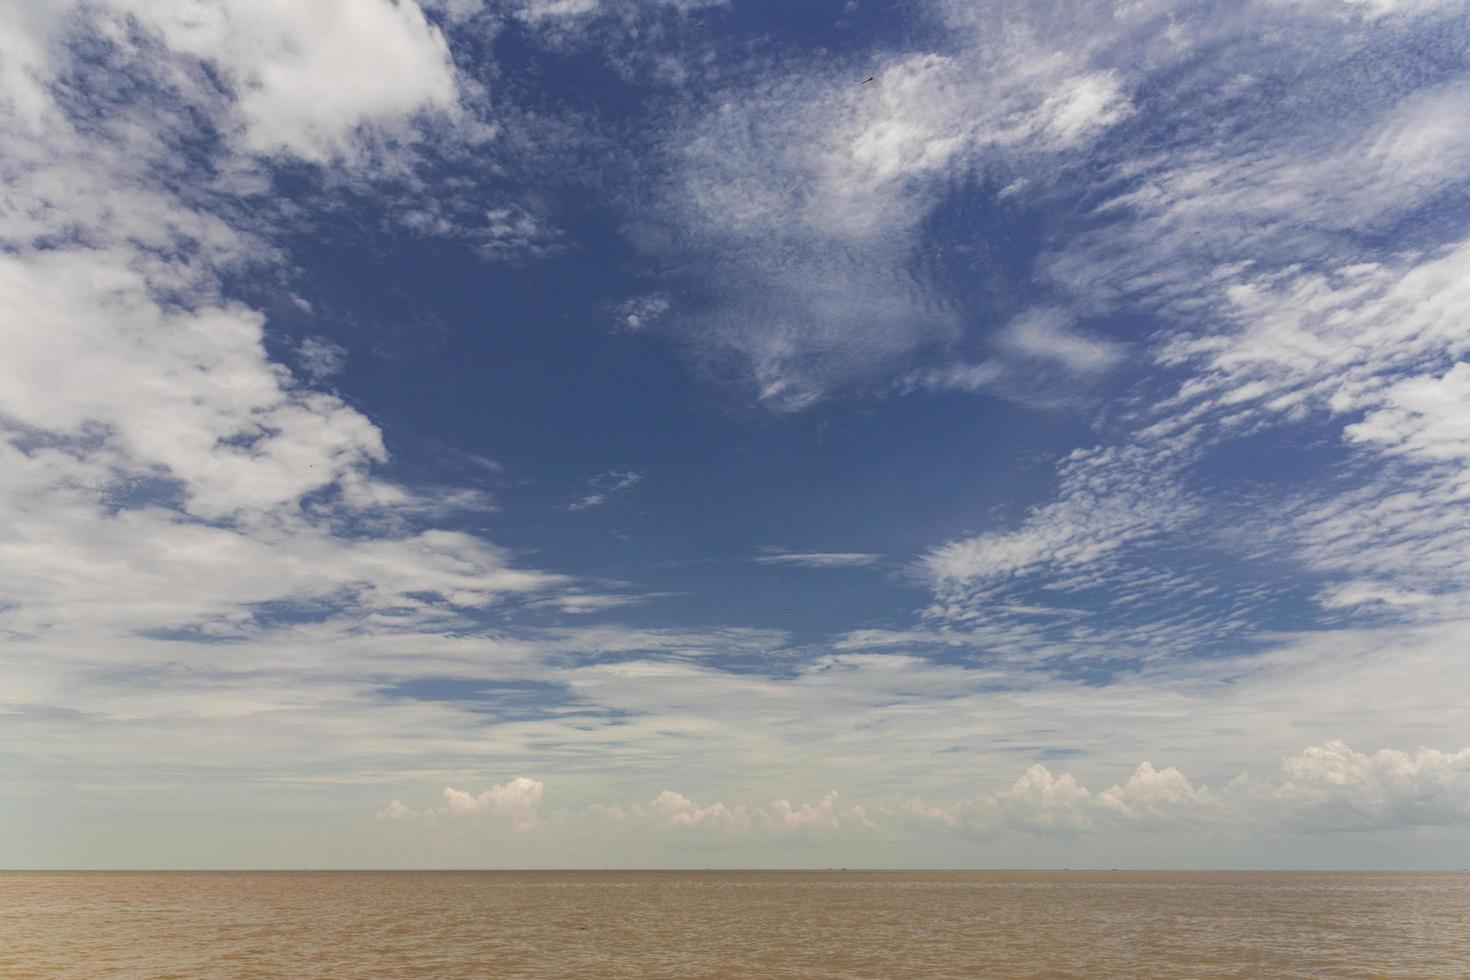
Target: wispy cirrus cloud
{"x":605,"y":485}
{"x":816,"y":559}
{"x":1280,"y":316}
{"x":214,"y":576}
{"x":1050,"y":335}
{"x":1035,"y":358}
{"x":803,"y":193}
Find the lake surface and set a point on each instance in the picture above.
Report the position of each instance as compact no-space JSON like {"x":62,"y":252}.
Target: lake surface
{"x":718,"y":924}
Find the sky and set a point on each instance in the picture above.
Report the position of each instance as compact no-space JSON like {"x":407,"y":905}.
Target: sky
{"x":682,"y":433}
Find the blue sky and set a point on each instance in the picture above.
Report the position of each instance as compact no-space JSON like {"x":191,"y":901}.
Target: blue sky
{"x":568,"y":432}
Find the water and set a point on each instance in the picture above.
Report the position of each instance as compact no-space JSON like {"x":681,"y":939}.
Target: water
{"x":717,"y":924}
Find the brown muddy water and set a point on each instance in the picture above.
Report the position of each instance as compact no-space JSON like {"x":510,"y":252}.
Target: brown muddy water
{"x":734,"y":924}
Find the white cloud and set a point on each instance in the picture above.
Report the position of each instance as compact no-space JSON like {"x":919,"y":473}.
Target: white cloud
{"x":987,"y":375}
{"x":572,"y":20}
{"x":668,"y":813}
{"x":823,"y":816}
{"x":205,"y":423}
{"x":1287,"y":195}
{"x":802,"y":197}
{"x":395,"y":810}
{"x":605,"y":485}
{"x":1329,"y":340}
{"x":641,"y":312}
{"x":1383,"y":340}
{"x":1372,"y":9}
{"x":1044,"y":803}
{"x":1325,"y":787}
{"x":672,"y":811}
{"x":320,"y":358}
{"x":1334,"y":786}
{"x":516,"y":803}
{"x":1255,"y":254}
{"x":816,"y":559}
{"x":31,"y":29}
{"x":1357,"y":592}
{"x":307,"y":76}
{"x":162,"y":472}
{"x":304,"y":79}
{"x":203,"y":406}
{"x":305,"y":703}
{"x":535,"y":10}
{"x":1041,"y":801}
{"x":511,"y":231}
{"x":583,"y":603}
{"x":1423,"y":417}
{"x":927,"y":115}
{"x":75,"y":562}
{"x":1110,"y":497}
{"x":1051,"y":335}
{"x":632,"y":36}
{"x":214,"y":497}
{"x":1153,"y":795}
{"x":1040,"y":343}
{"x":1082,"y":106}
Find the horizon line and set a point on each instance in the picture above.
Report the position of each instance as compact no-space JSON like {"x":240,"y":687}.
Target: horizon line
{"x":738,"y":870}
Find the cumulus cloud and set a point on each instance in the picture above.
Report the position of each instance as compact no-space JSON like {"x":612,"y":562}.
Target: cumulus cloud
{"x":515,"y":804}
{"x":1042,"y":802}
{"x":1332,"y":785}
{"x":1324,"y":787}
{"x":672,"y":810}
{"x":667,"y":813}
{"x":825,"y":815}
{"x":675,"y":812}
{"x":1153,"y":795}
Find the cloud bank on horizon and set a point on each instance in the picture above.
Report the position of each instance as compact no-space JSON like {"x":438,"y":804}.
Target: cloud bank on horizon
{"x":529,"y":421}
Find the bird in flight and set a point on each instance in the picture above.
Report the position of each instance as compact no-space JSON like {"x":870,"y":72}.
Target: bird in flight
{"x":868,"y":79}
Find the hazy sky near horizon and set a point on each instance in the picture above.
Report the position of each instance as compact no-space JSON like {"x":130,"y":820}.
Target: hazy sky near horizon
{"x":674,"y":432}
